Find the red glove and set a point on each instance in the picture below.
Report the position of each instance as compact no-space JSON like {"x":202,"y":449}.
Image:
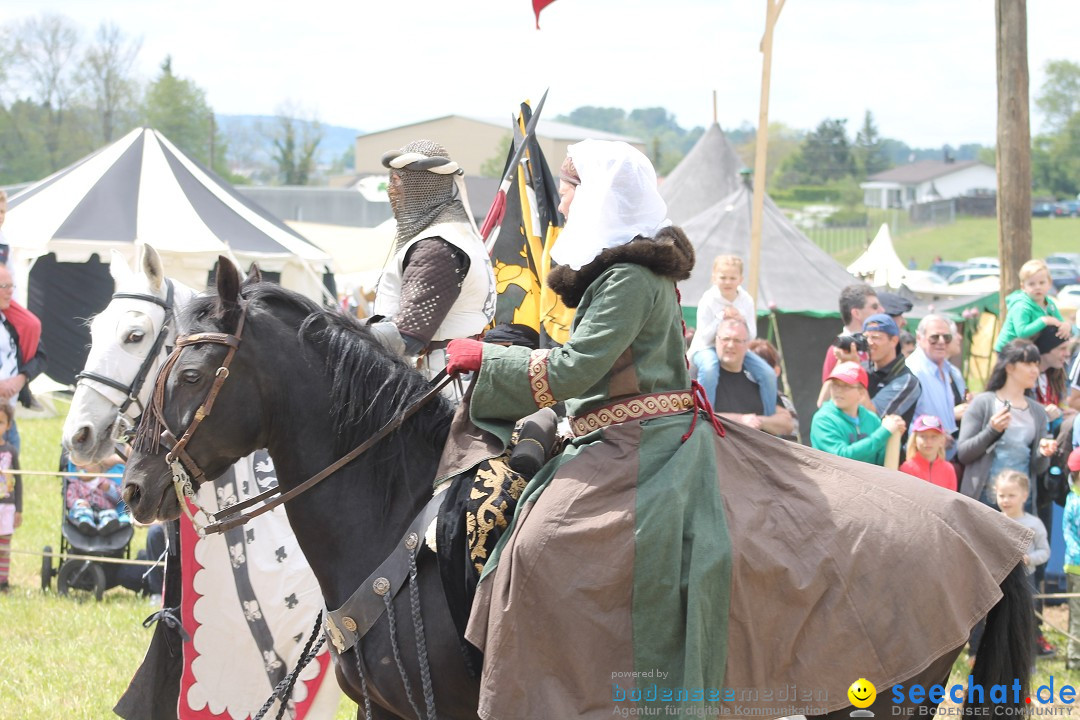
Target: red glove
{"x":464,"y":355}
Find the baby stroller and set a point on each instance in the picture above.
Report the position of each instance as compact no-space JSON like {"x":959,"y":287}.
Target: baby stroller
{"x":82,"y":576}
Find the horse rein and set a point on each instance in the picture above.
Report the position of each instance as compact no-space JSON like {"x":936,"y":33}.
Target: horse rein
{"x":187,"y":473}
{"x":131,"y":391}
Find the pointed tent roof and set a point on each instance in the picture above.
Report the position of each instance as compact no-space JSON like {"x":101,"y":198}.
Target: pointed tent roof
{"x":880,"y":265}
{"x":796,"y":275}
{"x":708,"y":173}
{"x":143,"y":189}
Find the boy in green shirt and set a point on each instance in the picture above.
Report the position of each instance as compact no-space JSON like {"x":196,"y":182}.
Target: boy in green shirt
{"x":1030,"y":308}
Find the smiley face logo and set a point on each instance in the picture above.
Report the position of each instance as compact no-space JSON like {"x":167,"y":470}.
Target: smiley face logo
{"x":862,"y":693}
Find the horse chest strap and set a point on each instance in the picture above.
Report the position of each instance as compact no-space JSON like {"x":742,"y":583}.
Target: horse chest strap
{"x":349,"y":623}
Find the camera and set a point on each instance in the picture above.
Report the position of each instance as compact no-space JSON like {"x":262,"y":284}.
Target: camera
{"x":846,"y":340}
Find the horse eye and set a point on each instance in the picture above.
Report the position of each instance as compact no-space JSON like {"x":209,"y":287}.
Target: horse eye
{"x":190,"y":376}
{"x":135,"y":336}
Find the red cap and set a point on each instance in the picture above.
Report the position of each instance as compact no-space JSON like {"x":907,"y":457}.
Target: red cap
{"x":850,"y":373}
{"x":1074,"y":459}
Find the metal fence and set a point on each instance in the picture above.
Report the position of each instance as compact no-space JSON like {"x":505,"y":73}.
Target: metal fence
{"x":860,"y":231}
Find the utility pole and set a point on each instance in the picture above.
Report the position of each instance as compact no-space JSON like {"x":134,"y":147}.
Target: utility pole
{"x":1013,"y":144}
{"x":772,"y":12}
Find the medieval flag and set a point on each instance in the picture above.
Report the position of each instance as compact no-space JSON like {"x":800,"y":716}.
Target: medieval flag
{"x":521,"y":250}
{"x":539,"y":5}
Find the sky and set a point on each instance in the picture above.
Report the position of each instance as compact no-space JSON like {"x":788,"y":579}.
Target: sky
{"x":924,"y":68}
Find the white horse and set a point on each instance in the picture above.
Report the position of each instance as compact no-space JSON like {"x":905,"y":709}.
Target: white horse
{"x":249,"y":599}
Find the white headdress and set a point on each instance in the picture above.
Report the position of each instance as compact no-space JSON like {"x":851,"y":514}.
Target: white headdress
{"x":616,"y":201}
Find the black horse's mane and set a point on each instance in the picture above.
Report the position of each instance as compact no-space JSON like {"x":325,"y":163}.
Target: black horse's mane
{"x":369,"y":385}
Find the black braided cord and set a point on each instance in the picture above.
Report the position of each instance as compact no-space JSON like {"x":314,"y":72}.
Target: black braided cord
{"x":283,"y":689}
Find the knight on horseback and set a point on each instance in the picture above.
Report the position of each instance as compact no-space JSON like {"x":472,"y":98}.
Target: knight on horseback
{"x":440,"y":284}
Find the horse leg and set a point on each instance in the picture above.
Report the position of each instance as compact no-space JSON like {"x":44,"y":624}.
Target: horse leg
{"x":884,"y":707}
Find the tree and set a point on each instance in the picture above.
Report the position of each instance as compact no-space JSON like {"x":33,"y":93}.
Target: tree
{"x":598,"y":118}
{"x":784,"y":142}
{"x":295,"y":142}
{"x":105,"y":74}
{"x":1059,"y":98}
{"x":868,"y":153}
{"x":177,"y":108}
{"x":494,"y":166}
{"x":44,"y":53}
{"x":825,"y":155}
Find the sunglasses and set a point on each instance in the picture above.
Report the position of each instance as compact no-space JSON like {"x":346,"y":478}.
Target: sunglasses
{"x":943,"y":338}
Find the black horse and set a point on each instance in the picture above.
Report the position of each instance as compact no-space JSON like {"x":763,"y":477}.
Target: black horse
{"x":310,"y":384}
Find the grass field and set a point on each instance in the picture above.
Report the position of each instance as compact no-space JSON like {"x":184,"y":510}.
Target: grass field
{"x":64,"y":659}
{"x":973,"y":237}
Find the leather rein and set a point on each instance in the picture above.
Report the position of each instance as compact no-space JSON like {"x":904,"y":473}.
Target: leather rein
{"x":186,"y":472}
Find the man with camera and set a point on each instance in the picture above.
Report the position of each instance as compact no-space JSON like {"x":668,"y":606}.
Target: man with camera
{"x":893,"y":388}
{"x":857,"y":302}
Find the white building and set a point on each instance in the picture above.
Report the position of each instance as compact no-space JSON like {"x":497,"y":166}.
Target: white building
{"x":928,"y":180}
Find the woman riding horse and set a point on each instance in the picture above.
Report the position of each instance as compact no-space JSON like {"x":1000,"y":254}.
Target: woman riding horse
{"x":658,"y":559}
{"x":641,"y":569}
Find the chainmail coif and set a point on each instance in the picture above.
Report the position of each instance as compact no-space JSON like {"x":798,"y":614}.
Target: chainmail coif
{"x":427,"y":195}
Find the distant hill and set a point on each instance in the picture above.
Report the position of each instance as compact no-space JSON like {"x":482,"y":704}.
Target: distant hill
{"x":248,"y":138}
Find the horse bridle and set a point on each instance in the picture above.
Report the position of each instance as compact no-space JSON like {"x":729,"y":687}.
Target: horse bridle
{"x":131,"y":391}
{"x":186,"y":473}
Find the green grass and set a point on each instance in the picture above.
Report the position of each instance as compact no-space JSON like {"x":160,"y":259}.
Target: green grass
{"x":973,"y":237}
{"x":60,"y":658}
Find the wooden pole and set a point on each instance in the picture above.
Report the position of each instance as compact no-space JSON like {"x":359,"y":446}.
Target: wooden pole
{"x":772,"y":12}
{"x":1013,"y":144}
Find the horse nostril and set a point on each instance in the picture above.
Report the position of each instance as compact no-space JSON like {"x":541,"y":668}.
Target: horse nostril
{"x":131,"y":495}
{"x":82,"y":435}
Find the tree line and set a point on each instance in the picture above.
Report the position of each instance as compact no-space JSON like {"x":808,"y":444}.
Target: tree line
{"x":64,"y":94}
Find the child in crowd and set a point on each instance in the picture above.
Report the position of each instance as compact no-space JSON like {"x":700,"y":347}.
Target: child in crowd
{"x":1030,"y":309}
{"x":94,"y":504}
{"x":727,"y":297}
{"x":844,"y":426}
{"x":1071,"y":530}
{"x":926,"y":453}
{"x":10,"y":496}
{"x":1012,"y":489}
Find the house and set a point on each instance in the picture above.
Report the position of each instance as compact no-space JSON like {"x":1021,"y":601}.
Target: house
{"x":473,"y":141}
{"x":926,"y":181}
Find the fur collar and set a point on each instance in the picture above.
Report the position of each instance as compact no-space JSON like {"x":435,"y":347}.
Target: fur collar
{"x":669,"y":255}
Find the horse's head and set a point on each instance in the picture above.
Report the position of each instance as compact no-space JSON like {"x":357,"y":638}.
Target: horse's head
{"x":192,"y":384}
{"x":125,"y":350}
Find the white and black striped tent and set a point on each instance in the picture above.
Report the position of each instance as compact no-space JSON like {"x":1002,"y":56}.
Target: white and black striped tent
{"x":140,"y":189}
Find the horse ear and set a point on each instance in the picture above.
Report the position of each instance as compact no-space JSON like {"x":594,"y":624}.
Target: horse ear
{"x":119,"y":268}
{"x":228,"y":286}
{"x":254,"y":275}
{"x":151,"y":263}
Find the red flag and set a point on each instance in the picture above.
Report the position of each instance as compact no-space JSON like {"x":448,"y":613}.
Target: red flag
{"x":539,"y":5}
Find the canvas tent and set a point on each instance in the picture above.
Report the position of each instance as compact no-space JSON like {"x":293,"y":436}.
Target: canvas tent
{"x":140,"y":189}
{"x":880,"y":265}
{"x":798,"y":281}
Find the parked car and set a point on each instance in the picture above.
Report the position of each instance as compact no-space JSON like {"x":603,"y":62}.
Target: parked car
{"x":1068,"y":297}
{"x":946,"y":268}
{"x":1044,"y":210}
{"x":1062,"y":275}
{"x":1063,"y":258}
{"x":1067,"y":208}
{"x":972,"y":273}
{"x":983,"y":262}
